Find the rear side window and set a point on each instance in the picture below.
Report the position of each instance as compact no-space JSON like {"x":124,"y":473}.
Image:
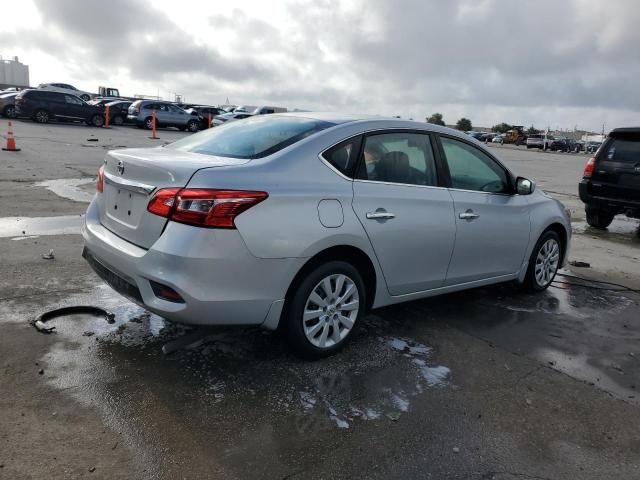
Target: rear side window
{"x":402,"y":157}
{"x":344,"y":156}
{"x":623,"y":150}
{"x":255,"y":137}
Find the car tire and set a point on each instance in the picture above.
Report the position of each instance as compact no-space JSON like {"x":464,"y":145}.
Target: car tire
{"x":599,"y":218}
{"x":544,"y":262}
{"x":97,"y":121}
{"x":41,"y":116}
{"x":118,"y":120}
{"x":148,"y":123}
{"x":316,"y":327}
{"x":9,"y":111}
{"x":85,"y":97}
{"x":193,"y":126}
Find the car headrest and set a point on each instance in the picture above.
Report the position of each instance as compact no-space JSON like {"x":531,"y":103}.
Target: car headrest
{"x":395,"y":166}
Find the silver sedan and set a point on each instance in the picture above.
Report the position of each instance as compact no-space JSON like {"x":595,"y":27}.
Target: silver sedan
{"x":307,"y":221}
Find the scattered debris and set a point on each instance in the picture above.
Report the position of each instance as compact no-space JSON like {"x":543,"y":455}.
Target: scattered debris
{"x":92,"y":139}
{"x":456,"y":450}
{"x":41,"y":372}
{"x":579,"y":264}
{"x":40,"y":322}
{"x":528,"y":402}
{"x":41,"y":327}
{"x":393,"y":416}
{"x":88,"y":333}
{"x":48,"y":256}
{"x":92,"y":469}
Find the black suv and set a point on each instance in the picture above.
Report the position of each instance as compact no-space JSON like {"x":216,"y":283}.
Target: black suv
{"x":611,"y":180}
{"x":43,"y":106}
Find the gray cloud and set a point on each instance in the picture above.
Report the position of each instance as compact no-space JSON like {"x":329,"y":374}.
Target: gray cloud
{"x":528,"y":61}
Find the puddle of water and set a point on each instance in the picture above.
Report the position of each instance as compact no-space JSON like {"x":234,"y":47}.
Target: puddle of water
{"x":68,"y":188}
{"x":22,"y":227}
{"x":620,"y":229}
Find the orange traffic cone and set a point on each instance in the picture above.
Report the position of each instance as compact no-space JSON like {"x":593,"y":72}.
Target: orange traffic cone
{"x":11,"y":142}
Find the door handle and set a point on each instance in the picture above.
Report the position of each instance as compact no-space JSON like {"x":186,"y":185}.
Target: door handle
{"x":380,"y":215}
{"x":468,"y":215}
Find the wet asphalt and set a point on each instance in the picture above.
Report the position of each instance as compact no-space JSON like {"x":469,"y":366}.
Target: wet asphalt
{"x":489,"y":383}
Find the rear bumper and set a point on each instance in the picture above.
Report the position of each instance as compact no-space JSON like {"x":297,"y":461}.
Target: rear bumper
{"x":605,"y":202}
{"x":221,"y":282}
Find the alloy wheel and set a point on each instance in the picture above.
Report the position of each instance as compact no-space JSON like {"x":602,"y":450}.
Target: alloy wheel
{"x":42,"y":116}
{"x":331,"y":311}
{"x":547,"y":262}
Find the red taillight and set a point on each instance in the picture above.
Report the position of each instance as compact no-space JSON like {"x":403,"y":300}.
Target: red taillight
{"x":204,"y":207}
{"x":100,"y":184}
{"x":588,"y":168}
{"x":163,"y":201}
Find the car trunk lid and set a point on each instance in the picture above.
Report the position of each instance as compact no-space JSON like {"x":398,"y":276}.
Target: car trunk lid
{"x":131,"y":177}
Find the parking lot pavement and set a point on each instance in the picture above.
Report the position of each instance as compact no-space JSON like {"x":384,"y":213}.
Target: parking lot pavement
{"x":490,"y":383}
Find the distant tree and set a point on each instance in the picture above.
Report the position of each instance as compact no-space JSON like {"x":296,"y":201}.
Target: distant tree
{"x":464,"y":124}
{"x":532,"y":130}
{"x":436,"y":119}
{"x":501,"y":127}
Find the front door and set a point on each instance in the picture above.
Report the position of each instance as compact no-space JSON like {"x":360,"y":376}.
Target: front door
{"x":493,"y":224}
{"x":73,"y":107}
{"x":408,"y":217}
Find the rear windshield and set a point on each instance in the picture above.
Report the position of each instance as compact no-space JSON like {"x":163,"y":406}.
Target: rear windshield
{"x":255,"y":137}
{"x":623,"y":150}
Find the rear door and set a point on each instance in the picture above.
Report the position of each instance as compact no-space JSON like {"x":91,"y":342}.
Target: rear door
{"x":406,"y":212}
{"x":617,"y":171}
{"x":493,"y":224}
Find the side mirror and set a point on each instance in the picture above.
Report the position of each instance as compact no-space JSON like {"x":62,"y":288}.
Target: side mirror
{"x":524,"y":186}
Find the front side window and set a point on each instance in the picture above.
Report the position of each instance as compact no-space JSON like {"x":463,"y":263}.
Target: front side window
{"x":256,"y":137}
{"x":399,"y":158}
{"x":472,"y":169}
{"x":343,"y":156}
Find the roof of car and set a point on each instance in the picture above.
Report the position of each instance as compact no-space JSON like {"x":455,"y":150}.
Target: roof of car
{"x":624,"y":131}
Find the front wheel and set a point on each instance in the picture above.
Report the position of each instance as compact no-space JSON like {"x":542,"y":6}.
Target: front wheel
{"x":599,"y":218}
{"x":85,"y":97}
{"x":192,"y":126}
{"x":97,"y":121}
{"x":544,"y":262}
{"x":148,"y":123}
{"x":118,"y":120}
{"x":41,"y":116}
{"x":321,"y":315}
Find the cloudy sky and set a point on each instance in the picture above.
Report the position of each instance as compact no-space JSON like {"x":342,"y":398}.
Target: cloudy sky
{"x":562,"y":63}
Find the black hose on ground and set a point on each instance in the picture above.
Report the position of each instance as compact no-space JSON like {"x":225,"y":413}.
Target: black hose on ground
{"x":40,"y":323}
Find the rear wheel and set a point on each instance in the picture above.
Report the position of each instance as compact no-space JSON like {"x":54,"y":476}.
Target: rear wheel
{"x":544,"y":262}
{"x":97,"y":121}
{"x":9,"y":111}
{"x":41,"y":116}
{"x":321,"y":315}
{"x":85,"y":97}
{"x":599,"y":218}
{"x":118,"y":120}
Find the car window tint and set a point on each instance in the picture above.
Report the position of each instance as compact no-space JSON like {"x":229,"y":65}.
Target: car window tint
{"x":256,"y":137}
{"x":72,"y":99}
{"x":399,"y":158}
{"x":343,"y":156}
{"x":623,"y":151}
{"x":471,"y":169}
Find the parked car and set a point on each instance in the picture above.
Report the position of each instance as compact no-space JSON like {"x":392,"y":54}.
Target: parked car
{"x":203,"y":112}
{"x":611,"y":179}
{"x":268,"y":110}
{"x":104,"y":100}
{"x":167,"y":115}
{"x":65,"y":88}
{"x":476,"y":135}
{"x":498,"y":139}
{"x":560,"y":144}
{"x":244,"y":109}
{"x":592,"y":147}
{"x":538,"y":140}
{"x":43,"y":106}
{"x":205,"y":231}
{"x":7,"y":102}
{"x":118,"y":111}
{"x":230,"y":117}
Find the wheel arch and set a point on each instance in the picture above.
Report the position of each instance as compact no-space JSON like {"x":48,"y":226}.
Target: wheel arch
{"x":564,"y":238}
{"x":346,"y":253}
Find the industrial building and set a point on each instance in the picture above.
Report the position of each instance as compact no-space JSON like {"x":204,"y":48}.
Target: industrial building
{"x":13,"y":73}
